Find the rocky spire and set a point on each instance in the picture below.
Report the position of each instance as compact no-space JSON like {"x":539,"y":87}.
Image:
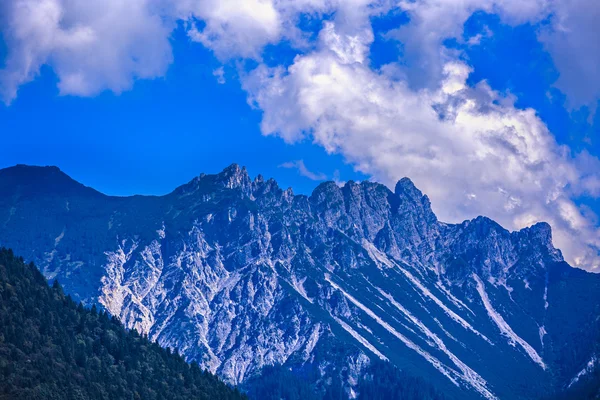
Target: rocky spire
{"x":234,"y":177}
{"x":539,"y":237}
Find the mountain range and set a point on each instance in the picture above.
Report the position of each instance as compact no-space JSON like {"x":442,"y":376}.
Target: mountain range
{"x":239,"y":274}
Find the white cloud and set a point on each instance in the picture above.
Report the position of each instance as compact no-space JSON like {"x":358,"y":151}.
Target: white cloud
{"x":433,"y":21}
{"x":572,"y":40}
{"x":92,"y":45}
{"x":219,"y":73}
{"x":304,"y":171}
{"x":97,"y":45}
{"x":240,"y":28}
{"x":470,"y":149}
{"x":233,"y":28}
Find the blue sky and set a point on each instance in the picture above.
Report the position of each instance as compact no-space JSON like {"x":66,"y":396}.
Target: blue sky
{"x":490,"y":107}
{"x":156,"y":136}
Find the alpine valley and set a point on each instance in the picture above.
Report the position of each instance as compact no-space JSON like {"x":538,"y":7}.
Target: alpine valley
{"x":240,"y":275}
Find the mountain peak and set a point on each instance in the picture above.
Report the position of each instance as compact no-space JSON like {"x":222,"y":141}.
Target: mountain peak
{"x":233,"y":168}
{"x":484,"y":225}
{"x":542,"y":229}
{"x":234,"y":177}
{"x":540,"y":234}
{"x":32,"y":179}
{"x":406,"y":187}
{"x":26,"y":169}
{"x":414,"y":199}
{"x":325,"y":192}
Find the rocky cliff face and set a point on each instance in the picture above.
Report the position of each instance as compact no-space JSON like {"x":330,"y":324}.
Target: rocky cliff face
{"x":237,"y":273}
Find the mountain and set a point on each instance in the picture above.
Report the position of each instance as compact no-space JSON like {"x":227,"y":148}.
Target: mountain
{"x":239,"y":274}
{"x":51,"y":348}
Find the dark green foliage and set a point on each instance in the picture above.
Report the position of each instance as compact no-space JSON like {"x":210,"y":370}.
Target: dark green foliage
{"x":383,"y":381}
{"x":278,"y":382}
{"x":282,"y":383}
{"x":53,"y":348}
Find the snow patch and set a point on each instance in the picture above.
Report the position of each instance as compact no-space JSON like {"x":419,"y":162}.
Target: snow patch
{"x":468,"y":375}
{"x":437,"y":301}
{"x":298,"y":285}
{"x":437,"y":364}
{"x":359,"y":338}
{"x":542,"y":334}
{"x":312,"y":340}
{"x":589,"y":367}
{"x":161,"y":232}
{"x":59,"y":238}
{"x":505,"y":329}
{"x":452,"y":298}
{"x":439,"y":324}
{"x":376,"y":255}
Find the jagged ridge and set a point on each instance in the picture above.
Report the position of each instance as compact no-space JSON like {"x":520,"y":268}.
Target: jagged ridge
{"x":239,"y":273}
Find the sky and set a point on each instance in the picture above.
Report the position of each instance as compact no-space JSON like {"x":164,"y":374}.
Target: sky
{"x":489,"y":106}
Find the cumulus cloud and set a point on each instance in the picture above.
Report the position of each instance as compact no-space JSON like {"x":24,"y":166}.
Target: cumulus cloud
{"x":106,"y":44}
{"x":469,"y":148}
{"x":303,"y":170}
{"x":92,"y":45}
{"x":240,"y":28}
{"x":433,"y":21}
{"x":570,"y":37}
{"x":98,"y":45}
{"x":232,"y":28}
{"x":572,"y":40}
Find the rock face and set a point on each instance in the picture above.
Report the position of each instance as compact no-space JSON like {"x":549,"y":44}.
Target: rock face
{"x":237,"y":273}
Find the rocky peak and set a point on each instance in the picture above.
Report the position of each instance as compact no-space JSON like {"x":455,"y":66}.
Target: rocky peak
{"x":485,"y":244}
{"x":540,"y":232}
{"x":324,"y":191}
{"x":259,"y":180}
{"x":491,"y":251}
{"x":413,"y":222}
{"x":235,"y":177}
{"x":538,"y":238}
{"x":368,"y":207}
{"x":412,"y":200}
{"x":327,"y":196}
{"x":482,"y":226}
{"x":206,"y":185}
{"x":406,"y":188}
{"x":327,"y":201}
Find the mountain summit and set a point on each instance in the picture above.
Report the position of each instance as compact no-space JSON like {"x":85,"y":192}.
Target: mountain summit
{"x":239,"y":274}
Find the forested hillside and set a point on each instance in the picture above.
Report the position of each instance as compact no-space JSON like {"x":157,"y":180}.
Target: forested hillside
{"x":53,"y":348}
{"x":381,"y":381}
